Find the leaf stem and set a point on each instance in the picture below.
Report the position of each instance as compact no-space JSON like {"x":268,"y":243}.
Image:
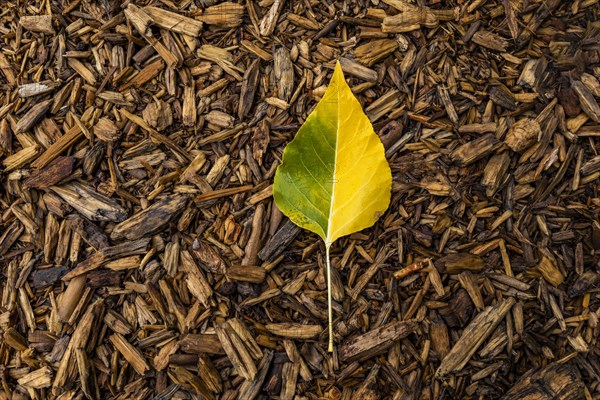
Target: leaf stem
{"x":329,"y":311}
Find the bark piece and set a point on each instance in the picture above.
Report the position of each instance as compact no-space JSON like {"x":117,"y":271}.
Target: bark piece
{"x":475,"y":149}
{"x":173,"y":21}
{"x":153,"y":218}
{"x":91,"y":204}
{"x":555,"y":381}
{"x":523,"y":134}
{"x":490,"y":40}
{"x":586,"y":99}
{"x":473,"y":337}
{"x":32,"y":116}
{"x":37,"y":23}
{"x":374,"y":342}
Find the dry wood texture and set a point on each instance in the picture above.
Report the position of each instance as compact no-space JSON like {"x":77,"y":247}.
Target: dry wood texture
{"x":142,"y":256}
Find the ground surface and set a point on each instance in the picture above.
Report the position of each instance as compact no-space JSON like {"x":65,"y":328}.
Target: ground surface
{"x":141,"y":255}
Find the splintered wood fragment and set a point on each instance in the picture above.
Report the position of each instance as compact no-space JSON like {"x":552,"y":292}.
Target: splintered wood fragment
{"x":478,"y":128}
{"x":91,"y":204}
{"x":440,"y":338}
{"x":375,"y":341}
{"x":52,"y":174}
{"x":511,"y":19}
{"x":32,"y":116}
{"x":252,"y":247}
{"x":447,"y":102}
{"x":495,"y":171}
{"x":6,"y":69}
{"x":158,"y":115}
{"x":591,"y":166}
{"x":184,"y":377}
{"x":244,"y":334}
{"x":37,"y":379}
{"x":410,"y":20}
{"x":215,"y":194}
{"x":353,"y":68}
{"x":226,"y":14}
{"x":201,"y":343}
{"x":480,"y":328}
{"x":278,"y":242}
{"x":236,"y":351}
{"x":38,"y":88}
{"x":78,"y":340}
{"x":303,"y":22}
{"x":548,"y":269}
{"x":366,"y":390}
{"x":294,"y":331}
{"x":475,"y":149}
{"x":295,"y":357}
{"x":189,"y":105}
{"x":174,"y":22}
{"x":20,"y":158}
{"x":383,"y":105}
{"x":106,"y":130}
{"x":532,"y":72}
{"x":468,"y":282}
{"x":89,"y":385}
{"x":264,"y":296}
{"x":254,"y":274}
{"x":277,"y":102}
{"x":10,"y":236}
{"x":82,"y":70}
{"x":222,"y":135}
{"x":38,"y":23}
{"x":142,"y":23}
{"x":284,"y":73}
{"x":156,"y":136}
{"x":490,"y":40}
{"x":151,"y":219}
{"x":289,"y":377}
{"x":102,"y":256}
{"x":148,"y":73}
{"x":365,"y":278}
{"x":195,"y":279}
{"x":15,"y":340}
{"x":132,"y":354}
{"x":269,"y":21}
{"x":555,"y":381}
{"x":523,"y":134}
{"x":58,"y":147}
{"x":249,"y":389}
{"x":249,"y":86}
{"x":193,"y":167}
{"x":410,"y":269}
{"x":222,"y":57}
{"x":592,"y":83}
{"x":503,"y":98}
{"x":587,"y":101}
{"x":208,"y":257}
{"x":374,"y":51}
{"x":257,"y":50}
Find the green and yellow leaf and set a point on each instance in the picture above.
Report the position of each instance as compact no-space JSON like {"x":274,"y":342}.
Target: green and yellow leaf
{"x":334,"y":179}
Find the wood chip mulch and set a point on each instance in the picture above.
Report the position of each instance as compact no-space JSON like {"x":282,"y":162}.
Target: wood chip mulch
{"x":141,"y":254}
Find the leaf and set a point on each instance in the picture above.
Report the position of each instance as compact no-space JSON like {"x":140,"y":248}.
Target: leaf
{"x":334,"y":179}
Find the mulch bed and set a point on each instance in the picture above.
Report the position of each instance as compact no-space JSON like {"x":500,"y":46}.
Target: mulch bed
{"x":142,"y":256}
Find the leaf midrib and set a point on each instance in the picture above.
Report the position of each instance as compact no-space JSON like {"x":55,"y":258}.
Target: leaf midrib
{"x":328,"y":240}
